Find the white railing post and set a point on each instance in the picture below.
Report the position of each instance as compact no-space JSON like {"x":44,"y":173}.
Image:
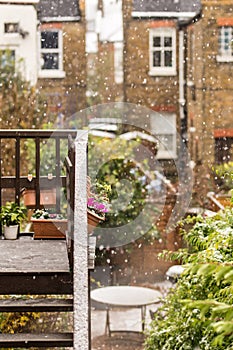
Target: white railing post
{"x":81,"y":322}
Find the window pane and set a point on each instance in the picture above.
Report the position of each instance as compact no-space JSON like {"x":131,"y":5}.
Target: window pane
{"x":49,"y":40}
{"x":7,"y":58}
{"x":157,"y":59}
{"x":166,"y":142}
{"x":156,"y":41}
{"x":225,"y":41}
{"x":11,"y":27}
{"x":50,"y":60}
{"x":163,"y":123}
{"x":168,"y":59}
{"x":167,"y":41}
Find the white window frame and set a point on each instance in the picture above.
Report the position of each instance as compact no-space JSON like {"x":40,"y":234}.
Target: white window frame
{"x":162,"y":69}
{"x":52,"y":73}
{"x":164,"y":124}
{"x":225,"y":48}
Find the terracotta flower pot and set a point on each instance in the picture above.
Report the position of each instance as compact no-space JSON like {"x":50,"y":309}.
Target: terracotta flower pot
{"x":93,"y":220}
{"x":47,"y":197}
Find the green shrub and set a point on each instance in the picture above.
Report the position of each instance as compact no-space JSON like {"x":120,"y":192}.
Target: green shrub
{"x":197,"y":313}
{"x":224,"y":175}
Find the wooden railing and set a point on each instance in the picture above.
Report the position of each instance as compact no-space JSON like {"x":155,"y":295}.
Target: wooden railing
{"x":12,"y":146}
{"x":18,"y":182}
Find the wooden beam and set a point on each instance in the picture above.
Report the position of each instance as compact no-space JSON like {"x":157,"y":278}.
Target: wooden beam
{"x":36,"y":284}
{"x":36,"y":305}
{"x":38,"y":340}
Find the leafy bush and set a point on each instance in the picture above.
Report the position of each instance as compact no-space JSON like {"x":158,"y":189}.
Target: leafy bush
{"x":112,"y":162}
{"x":224,"y":175}
{"x":197,"y":314}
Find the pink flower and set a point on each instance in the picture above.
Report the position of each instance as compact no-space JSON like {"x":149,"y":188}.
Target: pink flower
{"x":90,"y":201}
{"x":93,"y":204}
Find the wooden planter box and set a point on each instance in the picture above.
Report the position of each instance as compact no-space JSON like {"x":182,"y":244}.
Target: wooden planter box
{"x":225,"y":200}
{"x":47,"y":197}
{"x":49,"y":229}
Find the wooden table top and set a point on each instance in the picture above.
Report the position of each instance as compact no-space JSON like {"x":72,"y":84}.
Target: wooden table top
{"x":33,"y":256}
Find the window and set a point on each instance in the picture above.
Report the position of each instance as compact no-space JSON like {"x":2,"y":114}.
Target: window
{"x":163,"y":126}
{"x":225,"y":44}
{"x":7,"y":58}
{"x":51,"y":54}
{"x":223,"y":149}
{"x":11,"y":28}
{"x":162,"y":51}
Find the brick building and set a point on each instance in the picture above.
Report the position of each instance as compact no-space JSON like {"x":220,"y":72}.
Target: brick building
{"x":155,"y":64}
{"x":209,"y":83}
{"x":104,"y":51}
{"x":18,"y":36}
{"x":62,"y":65}
{"x":47,"y":45}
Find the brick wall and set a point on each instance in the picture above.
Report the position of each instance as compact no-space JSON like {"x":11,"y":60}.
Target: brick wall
{"x":68,"y":95}
{"x":212,"y":108}
{"x":140,"y":87}
{"x":141,"y":263}
{"x":102,"y":78}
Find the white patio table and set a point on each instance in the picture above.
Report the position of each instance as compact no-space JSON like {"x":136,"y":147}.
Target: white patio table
{"x":126,"y":297}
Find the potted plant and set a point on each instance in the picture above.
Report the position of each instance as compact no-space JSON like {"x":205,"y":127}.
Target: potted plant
{"x":97,"y":205}
{"x":48,"y":225}
{"x":95,"y":213}
{"x":11,"y":216}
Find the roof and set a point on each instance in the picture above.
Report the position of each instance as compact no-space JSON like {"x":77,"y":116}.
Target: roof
{"x":19,"y":2}
{"x":58,"y":10}
{"x":165,"y":6}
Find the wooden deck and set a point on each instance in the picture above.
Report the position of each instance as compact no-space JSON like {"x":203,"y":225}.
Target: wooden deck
{"x":35,"y":267}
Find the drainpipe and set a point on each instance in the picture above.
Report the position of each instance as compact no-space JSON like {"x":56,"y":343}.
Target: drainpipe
{"x":182,"y":25}
{"x":182,"y":100}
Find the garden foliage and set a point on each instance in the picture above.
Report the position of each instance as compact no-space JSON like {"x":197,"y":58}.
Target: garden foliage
{"x":224,"y":175}
{"x":22,"y":106}
{"x":112,"y":162}
{"x":198,"y":312}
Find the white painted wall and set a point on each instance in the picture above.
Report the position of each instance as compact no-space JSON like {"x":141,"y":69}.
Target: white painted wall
{"x":25,"y":48}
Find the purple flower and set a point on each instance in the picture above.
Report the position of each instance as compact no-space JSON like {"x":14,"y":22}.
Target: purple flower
{"x":99,"y":207}
{"x":90,"y":201}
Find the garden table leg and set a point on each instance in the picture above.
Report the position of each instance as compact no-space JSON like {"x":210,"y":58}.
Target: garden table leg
{"x":143,"y":314}
{"x":107,"y":327}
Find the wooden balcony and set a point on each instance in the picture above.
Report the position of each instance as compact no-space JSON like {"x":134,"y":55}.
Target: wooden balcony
{"x":18,"y":182}
{"x":45,"y":267}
